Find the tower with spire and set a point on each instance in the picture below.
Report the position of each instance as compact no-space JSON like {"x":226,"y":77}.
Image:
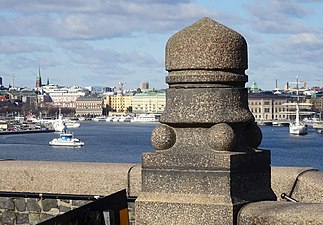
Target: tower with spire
{"x":38,"y":79}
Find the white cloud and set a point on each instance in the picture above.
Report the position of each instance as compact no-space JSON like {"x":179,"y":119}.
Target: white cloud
{"x":11,"y":46}
{"x":97,"y":19}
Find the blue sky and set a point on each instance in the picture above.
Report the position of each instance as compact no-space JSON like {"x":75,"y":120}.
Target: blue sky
{"x":103,"y":42}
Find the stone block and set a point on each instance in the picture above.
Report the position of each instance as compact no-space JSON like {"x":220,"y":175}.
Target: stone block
{"x":84,"y":178}
{"x":8,"y":217}
{"x":281,"y":213}
{"x":228,"y":105}
{"x":22,"y":218}
{"x":34,"y":218}
{"x":206,"y":44}
{"x":48,"y":204}
{"x":33,"y":205}
{"x":7,"y":203}
{"x":20,"y":204}
{"x":45,"y":216}
{"x":175,"y":209}
{"x":218,"y":161}
{"x":309,"y":187}
{"x":63,"y":209}
{"x":283,"y":179}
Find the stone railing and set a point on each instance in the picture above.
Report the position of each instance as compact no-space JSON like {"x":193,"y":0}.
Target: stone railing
{"x":62,"y":178}
{"x":302,"y":184}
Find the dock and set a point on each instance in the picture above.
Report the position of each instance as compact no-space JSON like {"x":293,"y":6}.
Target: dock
{"x":26,"y":131}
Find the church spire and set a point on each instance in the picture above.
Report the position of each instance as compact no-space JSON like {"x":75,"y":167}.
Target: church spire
{"x":38,"y":78}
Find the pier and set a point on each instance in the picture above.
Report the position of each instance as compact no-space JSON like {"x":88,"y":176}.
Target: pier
{"x":26,"y":131}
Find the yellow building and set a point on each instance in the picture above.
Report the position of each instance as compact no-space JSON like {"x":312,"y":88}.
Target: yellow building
{"x":118,"y":102}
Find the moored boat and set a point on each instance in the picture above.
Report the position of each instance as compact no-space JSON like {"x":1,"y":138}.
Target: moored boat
{"x":100,"y":118}
{"x":71,"y":124}
{"x":318,"y":126}
{"x":146,"y":118}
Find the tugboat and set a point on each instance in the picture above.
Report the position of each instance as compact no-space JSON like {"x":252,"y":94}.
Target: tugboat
{"x":66,"y":139}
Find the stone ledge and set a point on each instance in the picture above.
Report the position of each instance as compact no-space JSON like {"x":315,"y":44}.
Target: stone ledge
{"x":305,"y":184}
{"x":281,"y":213}
{"x":83,"y":178}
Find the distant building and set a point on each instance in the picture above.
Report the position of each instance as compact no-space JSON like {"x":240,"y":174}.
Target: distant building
{"x":144,"y":85}
{"x":119,"y":102}
{"x":65,"y":100}
{"x":254,"y":88}
{"x":269,"y":106}
{"x":149,"y":102}
{"x":88,"y":106}
{"x":61,"y":97}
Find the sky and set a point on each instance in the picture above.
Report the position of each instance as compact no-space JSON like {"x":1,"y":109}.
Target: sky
{"x":104,"y":42}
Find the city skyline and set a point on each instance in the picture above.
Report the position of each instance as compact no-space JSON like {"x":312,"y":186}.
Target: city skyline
{"x":101,"y":43}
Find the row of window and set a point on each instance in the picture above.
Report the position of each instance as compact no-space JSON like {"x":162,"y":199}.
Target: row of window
{"x":269,"y":117}
{"x":265,"y":103}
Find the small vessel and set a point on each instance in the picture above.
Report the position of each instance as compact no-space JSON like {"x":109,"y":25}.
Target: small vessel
{"x":318,"y":126}
{"x":66,"y":139}
{"x":59,"y":125}
{"x":296,"y":127}
{"x":100,"y":118}
{"x":146,"y":118}
{"x":71,"y":124}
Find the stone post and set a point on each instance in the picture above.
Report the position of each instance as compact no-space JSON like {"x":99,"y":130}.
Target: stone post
{"x":205,"y":166}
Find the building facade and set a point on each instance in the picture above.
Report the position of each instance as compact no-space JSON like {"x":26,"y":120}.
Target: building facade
{"x":268,"y":106}
{"x":88,"y":106}
{"x":149,"y":102}
{"x":65,"y":99}
{"x":118,"y":102}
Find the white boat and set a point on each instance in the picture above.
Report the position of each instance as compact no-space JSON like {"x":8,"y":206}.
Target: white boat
{"x":318,"y":126}
{"x":71,"y":124}
{"x":146,"y":118}
{"x":296,"y":127}
{"x":66,"y":139}
{"x":100,"y":118}
{"x":59,"y":125}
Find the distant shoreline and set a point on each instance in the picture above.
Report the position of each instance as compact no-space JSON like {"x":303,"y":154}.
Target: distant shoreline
{"x":26,"y":131}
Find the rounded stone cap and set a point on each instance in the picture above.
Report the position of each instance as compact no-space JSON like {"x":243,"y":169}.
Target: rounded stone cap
{"x":207,"y":45}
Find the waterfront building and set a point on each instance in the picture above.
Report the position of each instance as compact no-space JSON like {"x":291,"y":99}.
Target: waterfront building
{"x":318,"y":105}
{"x":88,"y":106}
{"x":149,"y":102}
{"x":65,"y":99}
{"x":61,"y":97}
{"x":270,"y":106}
{"x":119,"y":102}
{"x":22,"y":95}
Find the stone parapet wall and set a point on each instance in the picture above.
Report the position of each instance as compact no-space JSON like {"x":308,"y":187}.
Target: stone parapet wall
{"x":34,"y":210}
{"x":302,"y":184}
{"x":67,"y":178}
{"x":305,"y":184}
{"x":78,"y":178}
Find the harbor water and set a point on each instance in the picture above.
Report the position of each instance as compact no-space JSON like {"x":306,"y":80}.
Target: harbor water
{"x":125,"y":142}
